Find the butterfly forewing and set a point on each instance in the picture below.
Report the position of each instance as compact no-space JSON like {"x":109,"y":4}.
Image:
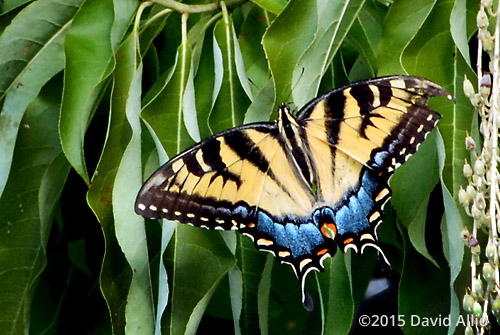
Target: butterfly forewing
{"x":375,"y":125}
{"x":224,"y":180}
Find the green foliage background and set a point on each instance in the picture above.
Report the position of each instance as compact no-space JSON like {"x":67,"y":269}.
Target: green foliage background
{"x":95,"y":94}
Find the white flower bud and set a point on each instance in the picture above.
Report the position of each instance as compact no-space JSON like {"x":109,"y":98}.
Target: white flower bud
{"x":463,"y":197}
{"x":471,"y":191}
{"x":467,"y":170}
{"x":482,"y":19}
{"x":479,"y":168}
{"x":488,"y":44}
{"x":470,"y":144}
{"x":468,"y":88}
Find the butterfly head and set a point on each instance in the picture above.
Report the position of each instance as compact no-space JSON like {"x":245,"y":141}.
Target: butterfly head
{"x":285,"y":119}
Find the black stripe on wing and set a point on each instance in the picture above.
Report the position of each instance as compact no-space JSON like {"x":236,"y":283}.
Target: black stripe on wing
{"x":379,"y":122}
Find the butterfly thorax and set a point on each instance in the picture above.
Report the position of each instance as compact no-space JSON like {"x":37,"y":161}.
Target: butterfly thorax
{"x":290,"y":130}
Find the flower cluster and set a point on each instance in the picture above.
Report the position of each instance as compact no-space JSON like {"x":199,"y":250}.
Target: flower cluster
{"x":480,"y":197}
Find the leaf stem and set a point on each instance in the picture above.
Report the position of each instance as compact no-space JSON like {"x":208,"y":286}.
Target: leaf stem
{"x":184,"y":8}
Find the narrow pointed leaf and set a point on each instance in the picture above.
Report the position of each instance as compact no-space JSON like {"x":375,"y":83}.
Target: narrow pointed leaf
{"x":34,"y":187}
{"x":333,"y":23}
{"x":116,"y":273}
{"x":284,"y":44}
{"x":420,"y":58}
{"x":337,"y":296}
{"x":251,"y":262}
{"x":164,"y":113}
{"x":88,"y":54}
{"x":130,"y":231}
{"x":191,"y":252}
{"x":29,"y":58}
{"x":398,"y":32}
{"x":230,"y":100}
{"x":451,"y":228}
{"x":411,"y":195}
{"x":263,"y":296}
{"x":249,"y":39}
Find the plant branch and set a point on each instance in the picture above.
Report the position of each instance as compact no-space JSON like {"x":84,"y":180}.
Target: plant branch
{"x":184,"y":8}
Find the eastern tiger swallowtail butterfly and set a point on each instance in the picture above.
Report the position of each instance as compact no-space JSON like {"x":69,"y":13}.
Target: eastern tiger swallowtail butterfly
{"x":307,"y":183}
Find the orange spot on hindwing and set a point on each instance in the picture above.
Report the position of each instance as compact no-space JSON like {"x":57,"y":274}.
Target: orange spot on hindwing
{"x":329,"y":230}
{"x":348,"y":240}
{"x":322,"y":252}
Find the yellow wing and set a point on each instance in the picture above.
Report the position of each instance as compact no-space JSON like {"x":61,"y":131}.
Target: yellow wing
{"x":225,"y":179}
{"x":365,"y":130}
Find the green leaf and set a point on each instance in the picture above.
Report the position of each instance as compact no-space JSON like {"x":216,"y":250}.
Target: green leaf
{"x":400,"y":26}
{"x":252,"y":264}
{"x":164,"y":113}
{"x":453,"y":247}
{"x":458,"y":23}
{"x":337,"y":295}
{"x":88,"y":55}
{"x":262,"y":106}
{"x":116,"y":272}
{"x":29,"y":58}
{"x":362,"y":68}
{"x":193,"y":251}
{"x":263,"y":296}
{"x":38,"y":174}
{"x":411,"y":195}
{"x":463,"y":24}
{"x":300,"y":62}
{"x":333,"y":23}
{"x":249,"y":38}
{"x":284,"y":43}
{"x":230,"y":98}
{"x":420,"y":57}
{"x":274,"y":6}
{"x":129,"y":227}
{"x":423,"y":292}
{"x":204,"y":85}
{"x":236,"y":295}
{"x":432,"y":42}
{"x":9,"y":5}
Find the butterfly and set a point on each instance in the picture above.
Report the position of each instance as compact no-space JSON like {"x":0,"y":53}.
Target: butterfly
{"x":306,"y":184}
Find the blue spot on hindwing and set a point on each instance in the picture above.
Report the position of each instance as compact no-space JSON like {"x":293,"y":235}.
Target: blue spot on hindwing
{"x":300,"y":236}
{"x":297,"y":243}
{"x":312,"y":234}
{"x":240,"y":212}
{"x":365,"y":200}
{"x":380,"y":157}
{"x":368,"y":182}
{"x":265,"y":224}
{"x":280,"y":235}
{"x":343,"y":218}
{"x":355,"y":206}
{"x":351,"y":214}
